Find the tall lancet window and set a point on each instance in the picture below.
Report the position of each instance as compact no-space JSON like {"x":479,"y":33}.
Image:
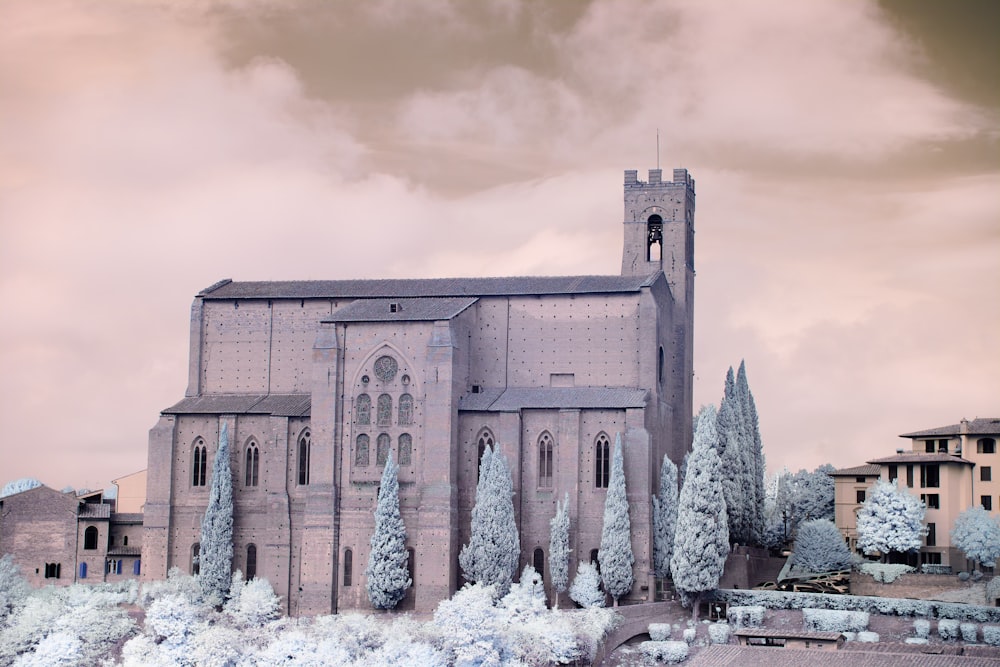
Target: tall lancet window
{"x":654,"y":238}
{"x":545,"y":461}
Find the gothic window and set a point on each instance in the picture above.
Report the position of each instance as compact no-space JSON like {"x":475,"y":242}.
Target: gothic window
{"x":602,"y":469}
{"x":382,"y":448}
{"x":199,"y":463}
{"x":196,"y":558}
{"x":361,"y":450}
{"x":384,"y":415}
{"x":90,"y":538}
{"x":385,"y":368}
{"x":654,"y":238}
{"x":305,"y":450}
{"x":538,"y":561}
{"x":251,"y":561}
{"x":405,"y":449}
{"x":348,"y":566}
{"x":363,"y":410}
{"x":405,"y":409}
{"x":485,"y":440}
{"x":252,"y":464}
{"x":545,"y":461}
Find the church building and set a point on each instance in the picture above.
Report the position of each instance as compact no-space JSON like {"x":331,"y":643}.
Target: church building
{"x":318,"y":381}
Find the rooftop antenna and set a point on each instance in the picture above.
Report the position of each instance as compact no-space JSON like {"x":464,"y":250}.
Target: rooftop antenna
{"x":657,"y":148}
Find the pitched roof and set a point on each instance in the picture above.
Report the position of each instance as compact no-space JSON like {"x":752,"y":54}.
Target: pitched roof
{"x":867,"y":470}
{"x":920,"y":457}
{"x":977,"y":426}
{"x":401,"y":310}
{"x":281,"y":405}
{"x":126,"y":517}
{"x":789,"y":633}
{"x":95,"y":511}
{"x":426,"y":287}
{"x":512,"y":399}
{"x":880,"y":655}
{"x":125,"y":551}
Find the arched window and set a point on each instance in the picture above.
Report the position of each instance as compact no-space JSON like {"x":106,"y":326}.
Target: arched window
{"x":485,"y":440}
{"x":594,"y":560}
{"x":654,"y":238}
{"x":363,"y":410}
{"x":538,"y":561}
{"x":251,"y":561}
{"x":125,"y":541}
{"x":83,"y":570}
{"x":384,"y":415}
{"x":602,"y":467}
{"x":361,"y":450}
{"x":199,"y":463}
{"x":405,"y":449}
{"x":90,"y":538}
{"x":986,"y":446}
{"x":405,"y":410}
{"x":305,"y":447}
{"x":252,"y":464}
{"x":545,"y":461}
{"x":348,"y":566}
{"x":382,"y":448}
{"x":196,"y":558}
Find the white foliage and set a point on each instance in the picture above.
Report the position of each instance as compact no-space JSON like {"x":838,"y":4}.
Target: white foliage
{"x":832,"y":620}
{"x":890,"y":520}
{"x":216,"y":556}
{"x":746,"y":617}
{"x":969,"y":631}
{"x":664,"y":519}
{"x":174,"y":619}
{"x":559,"y":548}
{"x":659,"y":632}
{"x":586,"y":590}
{"x":991,"y":635}
{"x":526,"y":599}
{"x":885,"y":573}
{"x":177,"y":583}
{"x":59,"y":649}
{"x":977,"y":534}
{"x":387,"y":576}
{"x":754,"y":450}
{"x":669,"y":652}
{"x":820,"y":547}
{"x":19,"y":486}
{"x":867,"y":637}
{"x":701,"y":541}
{"x":469,"y":628}
{"x":948,"y":629}
{"x":252,"y":603}
{"x":718,"y":633}
{"x":615,"y":555}
{"x":922,"y":628}
{"x":14,"y":588}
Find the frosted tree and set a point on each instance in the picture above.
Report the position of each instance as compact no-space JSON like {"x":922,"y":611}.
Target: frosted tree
{"x":559,"y":548}
{"x":890,"y":520}
{"x":216,"y":557}
{"x":615,"y":555}
{"x":19,"y":485}
{"x":819,"y":547}
{"x":14,"y":588}
{"x":753,"y":450}
{"x":701,"y":538}
{"x":494,"y":546}
{"x":387,"y":574}
{"x":586,"y":588}
{"x":734,"y":474}
{"x":977,"y":534}
{"x":664,"y":519}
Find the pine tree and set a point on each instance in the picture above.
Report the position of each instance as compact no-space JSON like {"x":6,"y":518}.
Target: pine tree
{"x":819,"y":547}
{"x":754,"y":456}
{"x":664,"y":519}
{"x":494,"y":546}
{"x":733,"y":462}
{"x":216,"y":556}
{"x":890,"y":520}
{"x":701,"y":538}
{"x":615,"y":555}
{"x":387,"y":574}
{"x":586,"y":590}
{"x":559,"y":548}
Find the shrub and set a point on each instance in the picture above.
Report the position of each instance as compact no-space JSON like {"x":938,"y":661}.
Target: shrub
{"x":963,"y":576}
{"x":948,"y":629}
{"x":849,"y":636}
{"x":819,"y":547}
{"x":968,"y":632}
{"x":977,"y":575}
{"x":659,"y":632}
{"x":826,"y":620}
{"x":929,"y":568}
{"x":689,"y":635}
{"x":885,"y":573}
{"x":746,"y":617}
{"x":868,"y":637}
{"x":992,"y":591}
{"x":991,"y":635}
{"x":922,"y":628}
{"x":668,"y":652}
{"x":915,"y":640}
{"x":718,"y":633}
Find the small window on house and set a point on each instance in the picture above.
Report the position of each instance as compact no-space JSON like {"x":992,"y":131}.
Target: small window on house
{"x":594,"y":561}
{"x":363,"y":410}
{"x":932,"y":500}
{"x":382,"y":445}
{"x":384,"y":414}
{"x":987,"y":503}
{"x":361,"y":450}
{"x":405,"y":449}
{"x":485,"y":440}
{"x":405,"y":410}
{"x":90,"y":538}
{"x":602,"y":467}
{"x":137,"y":567}
{"x":931,"y":534}
{"x":930,"y":476}
{"x":199,"y":463}
{"x":348,"y":566}
{"x":928,"y":446}
{"x":83,"y":570}
{"x":859,"y":480}
{"x":53,"y":570}
{"x":860,"y":496}
{"x":909,"y":475}
{"x":930,"y":558}
{"x":538,"y":561}
{"x":252,"y":464}
{"x":125,"y":541}
{"x":196,"y":558}
{"x":943,"y":446}
{"x":893,"y":472}
{"x":251,"y":561}
{"x":986,"y":446}
{"x":305,"y":452}
{"x":986,"y":474}
{"x":545,"y":461}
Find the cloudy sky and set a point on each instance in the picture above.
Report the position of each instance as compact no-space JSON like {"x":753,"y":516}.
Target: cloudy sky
{"x":847,"y":156}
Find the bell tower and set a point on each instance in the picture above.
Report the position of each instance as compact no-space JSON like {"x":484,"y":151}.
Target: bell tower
{"x":659,"y":229}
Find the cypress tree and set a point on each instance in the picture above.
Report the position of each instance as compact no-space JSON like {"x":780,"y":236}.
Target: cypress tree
{"x":733,"y":461}
{"x":472,"y":557}
{"x":559,"y":548}
{"x":754,"y":455}
{"x":387,"y":573}
{"x":615,"y":555}
{"x":216,"y":555}
{"x":664,"y":519}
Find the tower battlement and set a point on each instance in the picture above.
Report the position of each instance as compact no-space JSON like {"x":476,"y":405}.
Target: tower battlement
{"x":680,"y":177}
